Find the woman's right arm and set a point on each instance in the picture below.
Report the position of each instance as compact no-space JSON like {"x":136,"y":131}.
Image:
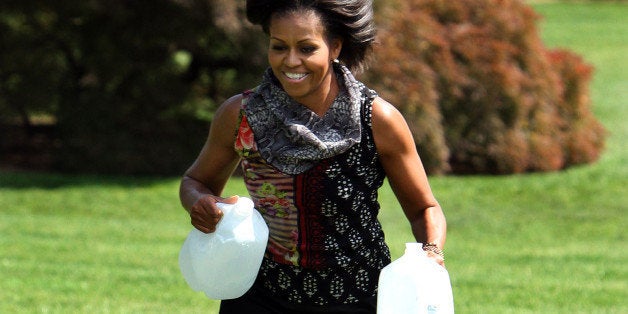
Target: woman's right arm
{"x":203,"y":183}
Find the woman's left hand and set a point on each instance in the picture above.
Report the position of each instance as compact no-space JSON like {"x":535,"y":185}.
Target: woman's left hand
{"x":435,"y":257}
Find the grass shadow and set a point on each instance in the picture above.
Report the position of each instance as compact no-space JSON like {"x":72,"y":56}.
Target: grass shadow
{"x":19,"y":179}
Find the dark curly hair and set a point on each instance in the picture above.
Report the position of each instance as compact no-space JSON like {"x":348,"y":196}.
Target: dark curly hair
{"x":349,"y":20}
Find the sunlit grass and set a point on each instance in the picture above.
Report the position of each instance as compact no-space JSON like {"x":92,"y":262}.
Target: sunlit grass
{"x":534,"y":243}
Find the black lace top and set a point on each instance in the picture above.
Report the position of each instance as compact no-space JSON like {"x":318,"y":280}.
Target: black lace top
{"x":326,"y":245}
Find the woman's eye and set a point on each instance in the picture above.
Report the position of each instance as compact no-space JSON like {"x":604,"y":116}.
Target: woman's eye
{"x":309,"y":49}
{"x":278,"y":47}
{"x":304,"y":50}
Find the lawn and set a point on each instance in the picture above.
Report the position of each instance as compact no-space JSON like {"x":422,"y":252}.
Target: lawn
{"x":536,"y":243}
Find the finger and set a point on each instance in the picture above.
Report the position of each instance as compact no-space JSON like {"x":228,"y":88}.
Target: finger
{"x":203,"y":221}
{"x":202,"y":229}
{"x":437,"y":258}
{"x":205,"y":215}
{"x":230,"y":200}
{"x":209,"y":206}
{"x":200,"y":223}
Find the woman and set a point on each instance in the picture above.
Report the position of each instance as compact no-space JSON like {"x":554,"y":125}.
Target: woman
{"x":315,"y":146}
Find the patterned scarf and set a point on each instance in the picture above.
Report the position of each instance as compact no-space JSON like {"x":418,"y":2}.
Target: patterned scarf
{"x":291,"y":137}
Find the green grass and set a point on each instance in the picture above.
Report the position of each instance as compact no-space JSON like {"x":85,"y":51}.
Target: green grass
{"x":537,"y":243}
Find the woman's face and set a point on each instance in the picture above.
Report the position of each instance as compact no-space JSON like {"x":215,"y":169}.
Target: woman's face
{"x":300,"y":56}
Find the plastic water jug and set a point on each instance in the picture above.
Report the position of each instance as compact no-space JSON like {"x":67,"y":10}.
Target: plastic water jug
{"x":414,"y":284}
{"x":225,"y":263}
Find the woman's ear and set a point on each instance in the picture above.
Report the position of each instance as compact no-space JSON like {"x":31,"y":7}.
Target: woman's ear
{"x":336,"y":47}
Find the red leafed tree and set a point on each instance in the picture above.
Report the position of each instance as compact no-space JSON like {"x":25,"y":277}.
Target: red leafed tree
{"x":480,"y":91}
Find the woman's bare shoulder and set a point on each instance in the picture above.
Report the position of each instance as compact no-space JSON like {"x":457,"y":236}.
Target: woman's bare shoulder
{"x":385,"y":115}
{"x":390,"y":130}
{"x":231,"y":105}
{"x":228,"y":112}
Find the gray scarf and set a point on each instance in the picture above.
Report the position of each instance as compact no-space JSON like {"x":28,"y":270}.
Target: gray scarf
{"x":291,"y":137}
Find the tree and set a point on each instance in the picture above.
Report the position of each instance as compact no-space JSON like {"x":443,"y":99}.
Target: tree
{"x":481,"y":92}
{"x":132,"y":84}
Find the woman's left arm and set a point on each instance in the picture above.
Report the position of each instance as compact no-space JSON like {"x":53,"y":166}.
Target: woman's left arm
{"x":407,"y":177}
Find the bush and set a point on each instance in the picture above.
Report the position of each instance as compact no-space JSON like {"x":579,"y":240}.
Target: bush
{"x":481,"y":92}
{"x":130,"y":84}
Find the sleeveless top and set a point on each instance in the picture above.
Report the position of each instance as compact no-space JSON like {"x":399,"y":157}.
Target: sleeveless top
{"x":325,"y":245}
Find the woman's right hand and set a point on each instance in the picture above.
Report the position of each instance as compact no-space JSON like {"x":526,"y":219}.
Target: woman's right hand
{"x":205,"y":214}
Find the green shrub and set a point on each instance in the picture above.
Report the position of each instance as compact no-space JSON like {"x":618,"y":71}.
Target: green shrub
{"x":131,"y":84}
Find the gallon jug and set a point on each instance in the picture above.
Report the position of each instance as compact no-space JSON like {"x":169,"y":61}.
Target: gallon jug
{"x":224,"y":264}
{"x":414,"y":284}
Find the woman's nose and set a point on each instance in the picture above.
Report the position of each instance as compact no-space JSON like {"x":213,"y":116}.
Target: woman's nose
{"x":292,"y":59}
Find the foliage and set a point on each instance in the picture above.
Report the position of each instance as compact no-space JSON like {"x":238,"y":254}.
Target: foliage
{"x":481,"y":91}
{"x":130,"y":83}
{"x":130,"y":86}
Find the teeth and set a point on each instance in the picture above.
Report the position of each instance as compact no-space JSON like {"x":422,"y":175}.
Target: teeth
{"x":295,"y":76}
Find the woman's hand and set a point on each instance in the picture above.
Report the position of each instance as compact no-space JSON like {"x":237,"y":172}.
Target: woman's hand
{"x":205,"y":215}
{"x":435,"y":257}
{"x":212,"y":168}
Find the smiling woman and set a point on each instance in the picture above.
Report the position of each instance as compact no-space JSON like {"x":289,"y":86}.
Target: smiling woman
{"x":300,"y":56}
{"x":315,"y":146}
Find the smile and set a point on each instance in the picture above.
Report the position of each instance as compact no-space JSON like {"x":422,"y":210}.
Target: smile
{"x":295,"y":76}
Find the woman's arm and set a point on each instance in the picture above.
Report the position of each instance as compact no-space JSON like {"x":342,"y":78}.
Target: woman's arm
{"x":406,"y":175}
{"x":203,"y":183}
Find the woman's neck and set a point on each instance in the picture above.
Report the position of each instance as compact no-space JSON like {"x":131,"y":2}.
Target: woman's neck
{"x":319,"y":104}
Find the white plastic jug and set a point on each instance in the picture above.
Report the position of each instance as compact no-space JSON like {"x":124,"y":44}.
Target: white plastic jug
{"x":414,"y":284}
{"x":225,"y":263}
